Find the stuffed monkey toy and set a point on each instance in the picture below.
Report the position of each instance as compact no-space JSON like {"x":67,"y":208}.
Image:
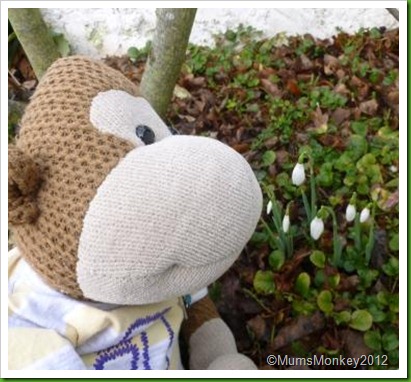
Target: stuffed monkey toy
{"x":119,"y":227}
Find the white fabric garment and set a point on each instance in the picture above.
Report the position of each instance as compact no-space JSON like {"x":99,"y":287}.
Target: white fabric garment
{"x":49,"y":330}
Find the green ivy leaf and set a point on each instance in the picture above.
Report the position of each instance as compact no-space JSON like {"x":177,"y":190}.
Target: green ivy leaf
{"x":302,"y":284}
{"x":264,"y":282}
{"x":372,"y":339}
{"x":391,"y":267}
{"x":133,"y":53}
{"x":383,"y":298}
{"x":394,"y":303}
{"x":359,"y":127}
{"x":319,"y":278}
{"x":377,"y":314}
{"x":326,"y":176}
{"x":334,"y":280}
{"x":259,"y":238}
{"x":269,"y":158}
{"x":394,"y":243}
{"x":390,"y":341}
{"x":357,"y":146}
{"x":303,"y":307}
{"x":324,"y":301}
{"x":318,"y":259}
{"x":342,"y":317}
{"x":62,"y":44}
{"x":361,"y":320}
{"x":276,"y":259}
{"x":367,"y":276}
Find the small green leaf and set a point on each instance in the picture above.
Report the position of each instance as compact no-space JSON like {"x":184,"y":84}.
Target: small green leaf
{"x":62,"y":44}
{"x":390,"y":341}
{"x":259,"y":238}
{"x":391,"y":267}
{"x":383,"y":297}
{"x":133,"y":52}
{"x":367,"y":276}
{"x":377,"y":314}
{"x":357,"y":146}
{"x":264,"y":282}
{"x":361,"y":320}
{"x":372,"y":339}
{"x":269,"y":158}
{"x":324,"y":301}
{"x":276,"y":259}
{"x":394,"y":243}
{"x":302,"y":284}
{"x":334,"y":280}
{"x":303,"y":307}
{"x":359,"y":127}
{"x":342,"y":317}
{"x":394,"y":303}
{"x":318,"y":259}
{"x":319,"y":278}
{"x":325,"y":177}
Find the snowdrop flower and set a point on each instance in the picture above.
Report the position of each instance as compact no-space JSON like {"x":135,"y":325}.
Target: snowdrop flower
{"x":269,"y":207}
{"x":350,"y":213}
{"x":365,"y":215}
{"x":286,"y":223}
{"x":298,"y":175}
{"x":316,"y":228}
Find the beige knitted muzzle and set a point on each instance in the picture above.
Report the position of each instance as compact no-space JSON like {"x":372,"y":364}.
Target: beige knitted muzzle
{"x":167,"y":221}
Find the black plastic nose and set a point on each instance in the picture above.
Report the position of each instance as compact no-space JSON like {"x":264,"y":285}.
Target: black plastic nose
{"x":145,"y":134}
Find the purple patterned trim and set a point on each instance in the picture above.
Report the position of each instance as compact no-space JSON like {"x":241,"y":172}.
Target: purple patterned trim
{"x":170,"y":336}
{"x":114,"y":352}
{"x":125,"y":346}
{"x":146,"y":357}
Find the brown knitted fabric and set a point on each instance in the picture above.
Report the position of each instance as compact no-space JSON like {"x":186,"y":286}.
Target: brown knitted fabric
{"x":73,"y":157}
{"x":202,"y":311}
{"x":23,"y":182}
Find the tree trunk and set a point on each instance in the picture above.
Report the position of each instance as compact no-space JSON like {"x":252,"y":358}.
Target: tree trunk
{"x":34,"y":37}
{"x":166,"y":56}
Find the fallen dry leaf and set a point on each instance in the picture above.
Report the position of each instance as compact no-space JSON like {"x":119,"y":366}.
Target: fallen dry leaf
{"x":369,"y":107}
{"x":297,"y":329}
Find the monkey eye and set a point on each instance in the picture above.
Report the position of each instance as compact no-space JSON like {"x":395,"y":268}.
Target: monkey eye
{"x":146,"y":134}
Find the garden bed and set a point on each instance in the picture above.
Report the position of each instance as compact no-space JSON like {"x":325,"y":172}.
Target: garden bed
{"x":331,"y":105}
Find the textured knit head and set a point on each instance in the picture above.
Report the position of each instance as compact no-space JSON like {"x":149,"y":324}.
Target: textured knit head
{"x":107,"y":205}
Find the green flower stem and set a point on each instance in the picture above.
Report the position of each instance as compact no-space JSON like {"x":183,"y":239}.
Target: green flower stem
{"x":257,"y":300}
{"x":371,"y":237}
{"x":313,"y":191}
{"x":357,"y":233}
{"x":306,"y":206}
{"x":337,"y":242}
{"x":276,"y":240}
{"x":283,"y":241}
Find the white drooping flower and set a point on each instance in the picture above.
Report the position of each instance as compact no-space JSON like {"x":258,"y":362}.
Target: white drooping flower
{"x":298,"y":175}
{"x":316,"y":228}
{"x":350,"y":213}
{"x":286,"y":223}
{"x":269,"y":207}
{"x":365,"y":215}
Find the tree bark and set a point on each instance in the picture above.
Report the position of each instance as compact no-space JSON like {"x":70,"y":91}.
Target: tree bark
{"x":34,"y":37}
{"x":166,"y":56}
{"x":394,"y":12}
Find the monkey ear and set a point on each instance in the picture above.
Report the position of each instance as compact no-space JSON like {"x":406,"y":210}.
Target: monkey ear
{"x":23,"y":181}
